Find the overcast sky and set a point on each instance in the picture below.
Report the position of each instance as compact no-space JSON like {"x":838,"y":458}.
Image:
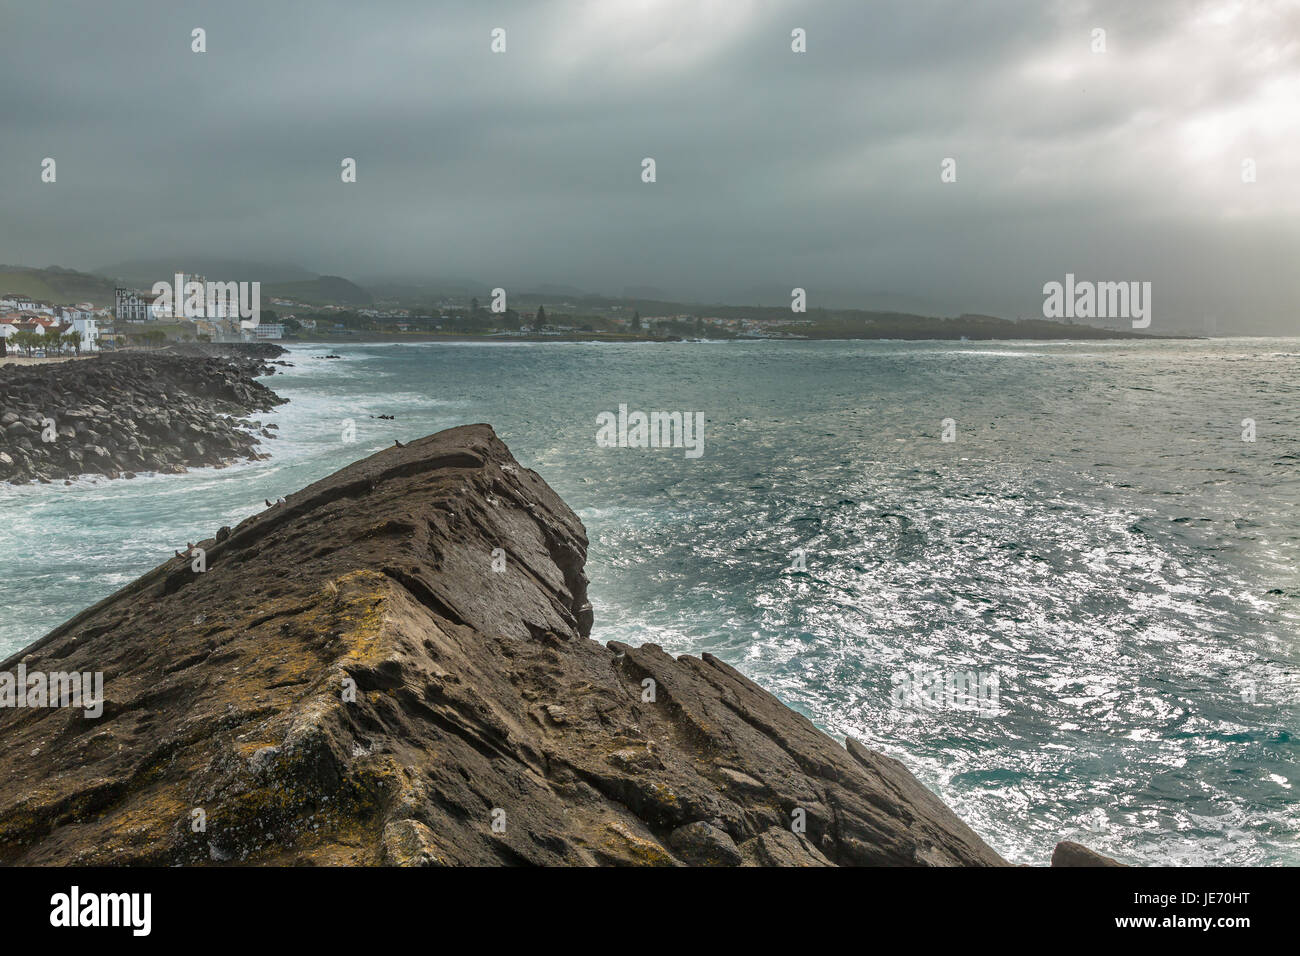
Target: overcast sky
{"x":775,"y":169}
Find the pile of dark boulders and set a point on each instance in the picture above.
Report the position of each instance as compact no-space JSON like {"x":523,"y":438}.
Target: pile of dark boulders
{"x":119,"y":414}
{"x":248,"y":350}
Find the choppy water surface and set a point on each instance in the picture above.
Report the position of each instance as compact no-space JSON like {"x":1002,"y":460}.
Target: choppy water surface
{"x":1099,"y":537}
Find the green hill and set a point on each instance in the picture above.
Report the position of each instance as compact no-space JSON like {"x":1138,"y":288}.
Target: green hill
{"x":278,"y":279}
{"x":62,"y":286}
{"x":56,"y":285}
{"x":323,"y":290}
{"x":143,"y":273}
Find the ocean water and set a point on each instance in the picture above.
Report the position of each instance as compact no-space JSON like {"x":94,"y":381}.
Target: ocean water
{"x":1098,"y":545}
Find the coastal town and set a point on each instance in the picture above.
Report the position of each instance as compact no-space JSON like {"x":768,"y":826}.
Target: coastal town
{"x":59,"y":313}
{"x":37,"y":328}
{"x":28,"y":325}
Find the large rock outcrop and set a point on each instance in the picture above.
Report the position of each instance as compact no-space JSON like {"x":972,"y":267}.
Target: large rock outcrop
{"x":485,"y":728}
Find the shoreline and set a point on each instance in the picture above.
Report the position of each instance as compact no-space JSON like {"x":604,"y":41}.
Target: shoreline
{"x":22,"y":360}
{"x":401,"y":338}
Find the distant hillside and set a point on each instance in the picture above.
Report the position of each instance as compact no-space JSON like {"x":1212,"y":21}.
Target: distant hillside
{"x":415,"y":289}
{"x":278,"y":279}
{"x":145,"y":272}
{"x":323,"y":290}
{"x":57,"y":285}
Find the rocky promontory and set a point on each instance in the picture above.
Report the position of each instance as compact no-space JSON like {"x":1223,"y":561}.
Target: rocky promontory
{"x":394,"y":666}
{"x":122,"y":413}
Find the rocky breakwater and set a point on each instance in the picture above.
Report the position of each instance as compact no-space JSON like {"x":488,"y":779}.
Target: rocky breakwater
{"x":244,"y":350}
{"x":119,"y":414}
{"x":393,"y":666}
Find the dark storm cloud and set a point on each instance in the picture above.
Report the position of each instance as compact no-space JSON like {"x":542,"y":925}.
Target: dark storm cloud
{"x":775,"y":169}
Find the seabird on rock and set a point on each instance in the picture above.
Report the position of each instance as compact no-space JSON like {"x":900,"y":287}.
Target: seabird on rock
{"x":398,"y":443}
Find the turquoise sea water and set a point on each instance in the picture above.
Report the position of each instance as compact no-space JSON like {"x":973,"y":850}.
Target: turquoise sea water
{"x":1098,"y":536}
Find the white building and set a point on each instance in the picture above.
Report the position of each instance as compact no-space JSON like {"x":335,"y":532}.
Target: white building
{"x":70,"y":313}
{"x":14,"y":302}
{"x":88,"y":328}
